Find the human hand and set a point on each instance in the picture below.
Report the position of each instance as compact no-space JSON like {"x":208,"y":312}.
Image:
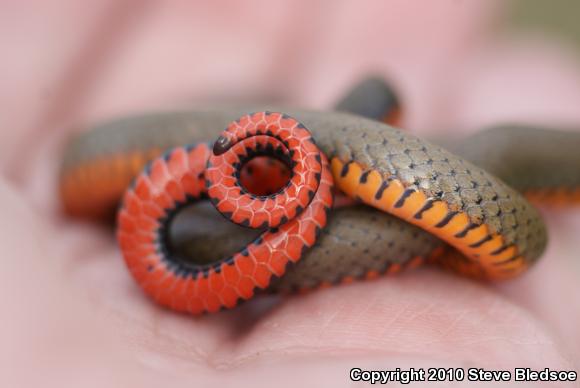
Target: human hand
{"x":73,"y":315}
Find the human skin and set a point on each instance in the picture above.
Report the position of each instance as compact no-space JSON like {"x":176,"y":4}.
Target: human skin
{"x":71,"y":313}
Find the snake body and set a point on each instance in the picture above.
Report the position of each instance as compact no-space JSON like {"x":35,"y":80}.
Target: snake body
{"x":439,"y":199}
{"x":294,"y":215}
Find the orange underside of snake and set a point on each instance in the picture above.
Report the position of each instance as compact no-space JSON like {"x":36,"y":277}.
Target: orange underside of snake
{"x":294,"y":214}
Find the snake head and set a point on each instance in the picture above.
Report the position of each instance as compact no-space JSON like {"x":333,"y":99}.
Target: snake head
{"x":221,"y":145}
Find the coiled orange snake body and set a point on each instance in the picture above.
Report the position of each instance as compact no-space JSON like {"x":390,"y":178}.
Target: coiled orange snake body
{"x":438,"y":198}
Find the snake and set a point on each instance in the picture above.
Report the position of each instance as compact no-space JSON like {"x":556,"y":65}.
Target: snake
{"x":412,"y":200}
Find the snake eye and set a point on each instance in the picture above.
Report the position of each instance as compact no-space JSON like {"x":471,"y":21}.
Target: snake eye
{"x":221,"y":145}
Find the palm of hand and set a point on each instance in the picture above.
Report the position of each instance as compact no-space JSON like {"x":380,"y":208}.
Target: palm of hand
{"x":72,"y":311}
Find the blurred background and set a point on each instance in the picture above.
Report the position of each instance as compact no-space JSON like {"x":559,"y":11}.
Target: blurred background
{"x":556,"y":19}
{"x":70,"y":62}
